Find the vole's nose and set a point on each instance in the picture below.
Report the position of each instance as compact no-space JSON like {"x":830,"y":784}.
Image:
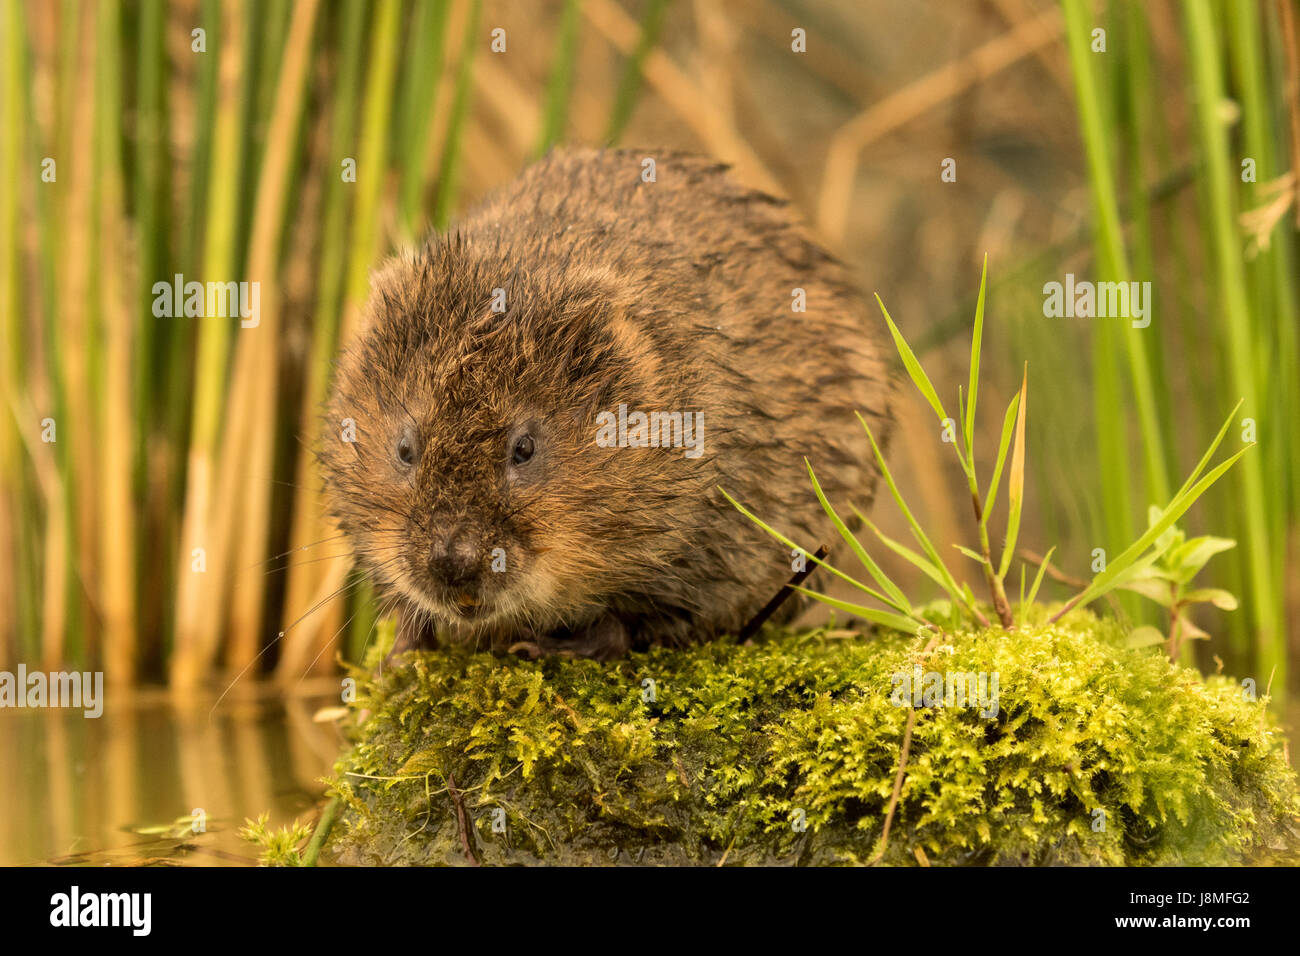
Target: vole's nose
{"x":455,"y":558}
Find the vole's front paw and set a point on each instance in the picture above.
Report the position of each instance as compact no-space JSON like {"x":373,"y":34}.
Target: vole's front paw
{"x":604,"y":639}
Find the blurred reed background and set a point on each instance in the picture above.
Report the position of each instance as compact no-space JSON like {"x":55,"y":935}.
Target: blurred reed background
{"x":225,"y":164}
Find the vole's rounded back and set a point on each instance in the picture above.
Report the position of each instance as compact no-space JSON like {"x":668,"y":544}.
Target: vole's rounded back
{"x":547,"y":400}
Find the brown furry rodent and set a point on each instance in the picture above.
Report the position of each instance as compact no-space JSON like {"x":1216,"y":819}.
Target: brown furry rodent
{"x":487,"y":492}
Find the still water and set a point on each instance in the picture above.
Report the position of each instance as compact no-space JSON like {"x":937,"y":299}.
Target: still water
{"x":122,"y":789}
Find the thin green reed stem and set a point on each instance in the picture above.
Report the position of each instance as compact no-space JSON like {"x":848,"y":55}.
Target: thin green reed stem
{"x":55,"y":231}
{"x":419,"y":84}
{"x":372,"y":166}
{"x":1112,"y":451}
{"x":1273,"y":272}
{"x":338,"y":194}
{"x":1111,"y":255}
{"x":150,"y":200}
{"x":219,"y":254}
{"x":49,"y":223}
{"x":156,"y":565}
{"x":560,"y":88}
{"x":116,"y":421}
{"x":266,"y":25}
{"x":629,"y":85}
{"x":332,"y":271}
{"x":205,"y":102}
{"x":22,"y":498}
{"x":372,"y":152}
{"x":1207,"y":71}
{"x":1257,"y":143}
{"x":1137,"y":128}
{"x":449,"y":166}
{"x":1287,"y":276}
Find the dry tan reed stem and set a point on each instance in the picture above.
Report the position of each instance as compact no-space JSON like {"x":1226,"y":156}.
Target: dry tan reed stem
{"x":253,"y":391}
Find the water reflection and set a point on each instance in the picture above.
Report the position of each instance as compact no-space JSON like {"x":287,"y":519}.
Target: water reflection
{"x":121,"y":789}
{"x":113,"y":790}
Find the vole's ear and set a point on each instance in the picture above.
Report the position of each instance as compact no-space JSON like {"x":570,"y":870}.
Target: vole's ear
{"x":608,"y":358}
{"x":604,"y":341}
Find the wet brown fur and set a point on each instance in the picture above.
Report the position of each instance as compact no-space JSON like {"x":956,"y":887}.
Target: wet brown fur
{"x":673,"y":295}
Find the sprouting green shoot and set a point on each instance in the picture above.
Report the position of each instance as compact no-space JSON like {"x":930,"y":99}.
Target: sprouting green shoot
{"x":1132,"y":568}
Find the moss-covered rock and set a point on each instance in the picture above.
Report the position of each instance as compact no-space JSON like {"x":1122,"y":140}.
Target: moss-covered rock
{"x":787,"y":751}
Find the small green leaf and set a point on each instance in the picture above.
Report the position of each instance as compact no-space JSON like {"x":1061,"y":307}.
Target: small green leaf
{"x":1224,"y":600}
{"x":1187,"y":559}
{"x":1187,"y":629}
{"x":1150,"y":587}
{"x":1143,"y":637}
{"x":973,"y":555}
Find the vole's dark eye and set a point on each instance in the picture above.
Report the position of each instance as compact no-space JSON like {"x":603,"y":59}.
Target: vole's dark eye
{"x":406,"y":450}
{"x":523,"y":450}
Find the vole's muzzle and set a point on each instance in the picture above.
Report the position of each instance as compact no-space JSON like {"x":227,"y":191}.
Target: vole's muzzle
{"x":456,"y":559}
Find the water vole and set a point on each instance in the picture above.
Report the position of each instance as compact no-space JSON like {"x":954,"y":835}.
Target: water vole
{"x":544,"y":402}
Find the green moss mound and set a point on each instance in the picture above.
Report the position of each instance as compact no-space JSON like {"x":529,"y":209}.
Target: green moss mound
{"x":786,"y":752}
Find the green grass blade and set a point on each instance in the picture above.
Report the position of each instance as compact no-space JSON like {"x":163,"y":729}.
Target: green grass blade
{"x":1016,"y":481}
{"x":1105,"y":581}
{"x":1008,"y":423}
{"x":895,"y":621}
{"x":976,"y":343}
{"x":914,"y":558}
{"x":1209,"y":452}
{"x":448,"y":169}
{"x":630,"y":83}
{"x":559,"y":89}
{"x":899,"y":598}
{"x":919,"y":378}
{"x":1038,"y":578}
{"x":917,"y":532}
{"x":420,"y":79}
{"x":1218,"y":152}
{"x":926,"y":567}
{"x":965,"y":453}
{"x":883,"y":599}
